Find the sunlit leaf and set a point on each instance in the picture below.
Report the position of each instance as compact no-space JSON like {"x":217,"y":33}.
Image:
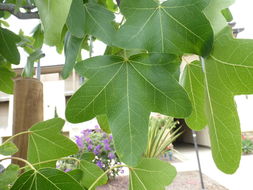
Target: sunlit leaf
{"x":47,"y":143}
{"x":214,"y":14}
{"x":174,"y":26}
{"x":46,"y":178}
{"x":127,"y":90}
{"x":53,"y":14}
{"x":8,"y":148}
{"x":193,"y":82}
{"x":151,"y":174}
{"x":228,"y":71}
{"x":77,"y":174}
{"x":8,"y":176}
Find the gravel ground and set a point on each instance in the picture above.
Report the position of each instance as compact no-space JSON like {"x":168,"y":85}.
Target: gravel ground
{"x":184,"y":181}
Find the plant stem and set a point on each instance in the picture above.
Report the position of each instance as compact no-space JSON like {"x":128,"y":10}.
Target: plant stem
{"x":16,"y":135}
{"x":95,"y":182}
{"x":19,"y":159}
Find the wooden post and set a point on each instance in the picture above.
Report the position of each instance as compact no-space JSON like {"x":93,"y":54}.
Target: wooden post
{"x":28,"y":110}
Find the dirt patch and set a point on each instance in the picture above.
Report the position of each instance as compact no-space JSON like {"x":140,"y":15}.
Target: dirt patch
{"x":184,"y":181}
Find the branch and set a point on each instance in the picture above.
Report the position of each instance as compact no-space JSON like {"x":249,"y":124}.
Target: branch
{"x":11,"y":9}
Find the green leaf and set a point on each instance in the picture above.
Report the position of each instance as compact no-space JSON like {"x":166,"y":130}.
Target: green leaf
{"x":76,"y":19}
{"x":214,"y":14}
{"x":8,"y":48}
{"x":53,"y":14}
{"x":77,"y":174}
{"x":193,"y":82}
{"x":29,"y":68}
{"x":228,"y":72}
{"x":127,"y":90}
{"x":72,"y":47}
{"x":8,"y":176}
{"x":98,"y":22}
{"x":151,"y":174}
{"x":175,"y":26}
{"x":8,"y":148}
{"x":46,"y":178}
{"x":88,"y":156}
{"x":47,"y":143}
{"x":103,"y":123}
{"x":6,"y":82}
{"x":227,"y":14}
{"x":38,"y":36}
{"x":91,"y":172}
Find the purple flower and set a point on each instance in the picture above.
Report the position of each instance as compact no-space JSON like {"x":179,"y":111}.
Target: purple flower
{"x":79,"y":142}
{"x":107,"y":147}
{"x":110,"y":137}
{"x":97,"y":129}
{"x":90,"y":147}
{"x":86,"y":132}
{"x":122,"y":171}
{"x":97,"y":149}
{"x":105,"y":141}
{"x":88,"y":140}
{"x":111,"y":155}
{"x":67,"y":170}
{"x":99,"y":164}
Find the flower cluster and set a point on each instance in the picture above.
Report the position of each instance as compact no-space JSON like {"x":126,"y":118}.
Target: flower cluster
{"x":100,"y":145}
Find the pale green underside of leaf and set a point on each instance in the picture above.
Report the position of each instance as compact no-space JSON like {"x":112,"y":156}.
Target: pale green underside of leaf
{"x":228,"y":72}
{"x":91,"y":173}
{"x":47,"y":143}
{"x":193,"y":82}
{"x":6,"y":82}
{"x":8,"y":148}
{"x":53,"y":14}
{"x":151,"y":174}
{"x":215,"y":16}
{"x":127,"y":91}
{"x":46,"y":178}
{"x":175,"y":26}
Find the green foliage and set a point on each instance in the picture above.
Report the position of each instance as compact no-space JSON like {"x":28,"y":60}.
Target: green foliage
{"x":137,"y":75}
{"x":46,"y":178}
{"x":46,"y":143}
{"x":247,"y":146}
{"x":8,"y":176}
{"x":53,"y":14}
{"x":8,"y":148}
{"x":163,"y":28}
{"x":8,"y":48}
{"x":161,"y":134}
{"x":142,"y":177}
{"x":6,"y":83}
{"x":127,"y":90}
{"x":91,"y":172}
{"x":192,"y":80}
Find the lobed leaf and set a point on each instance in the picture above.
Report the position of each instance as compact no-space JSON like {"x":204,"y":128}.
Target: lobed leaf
{"x":46,"y":143}
{"x":174,"y":26}
{"x":127,"y":90}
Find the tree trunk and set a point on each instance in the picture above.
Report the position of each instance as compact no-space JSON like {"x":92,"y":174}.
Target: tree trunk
{"x":28,"y":110}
